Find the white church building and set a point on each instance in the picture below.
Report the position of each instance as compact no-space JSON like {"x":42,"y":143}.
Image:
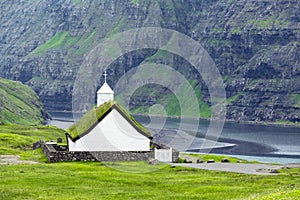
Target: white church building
{"x":108,"y":127}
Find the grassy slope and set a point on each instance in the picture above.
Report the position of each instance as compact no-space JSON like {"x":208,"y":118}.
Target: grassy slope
{"x":19,"y":104}
{"x":170,"y":101}
{"x":76,"y":180}
{"x":18,"y":139}
{"x":65,"y":40}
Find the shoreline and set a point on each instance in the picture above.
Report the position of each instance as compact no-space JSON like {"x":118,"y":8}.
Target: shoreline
{"x":273,"y":124}
{"x":265,"y":123}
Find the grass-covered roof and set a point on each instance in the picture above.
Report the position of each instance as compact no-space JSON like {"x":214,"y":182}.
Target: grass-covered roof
{"x":94,"y":116}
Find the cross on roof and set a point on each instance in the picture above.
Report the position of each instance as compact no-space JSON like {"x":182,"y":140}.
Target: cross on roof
{"x":105,"y":75}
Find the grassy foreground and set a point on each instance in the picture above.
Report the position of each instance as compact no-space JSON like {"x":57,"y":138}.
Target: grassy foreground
{"x":98,"y":181}
{"x":18,"y":139}
{"x":120,"y":180}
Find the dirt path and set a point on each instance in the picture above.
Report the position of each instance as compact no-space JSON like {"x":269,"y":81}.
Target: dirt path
{"x":259,"y":169}
{"x":13,"y":159}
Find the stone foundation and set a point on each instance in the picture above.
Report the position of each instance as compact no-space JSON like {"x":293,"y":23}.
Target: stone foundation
{"x":54,"y":155}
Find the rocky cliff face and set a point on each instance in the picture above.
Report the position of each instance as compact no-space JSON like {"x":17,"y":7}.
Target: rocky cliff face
{"x":255,"y":45}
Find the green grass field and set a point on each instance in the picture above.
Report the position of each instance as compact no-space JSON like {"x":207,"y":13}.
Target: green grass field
{"x":98,"y":181}
{"x":120,"y":180}
{"x":18,"y":140}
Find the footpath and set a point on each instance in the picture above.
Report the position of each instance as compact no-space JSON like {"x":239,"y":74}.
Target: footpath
{"x":244,"y":168}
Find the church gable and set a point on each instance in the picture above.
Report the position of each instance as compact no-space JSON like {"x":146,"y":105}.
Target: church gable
{"x":113,"y":133}
{"x":96,"y":115}
{"x":108,"y":127}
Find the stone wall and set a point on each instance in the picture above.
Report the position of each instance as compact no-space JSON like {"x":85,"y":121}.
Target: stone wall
{"x":60,"y":156}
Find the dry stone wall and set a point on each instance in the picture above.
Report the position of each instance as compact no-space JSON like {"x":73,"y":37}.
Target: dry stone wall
{"x":54,"y":155}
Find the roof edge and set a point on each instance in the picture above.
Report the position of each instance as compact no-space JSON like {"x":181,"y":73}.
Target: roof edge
{"x":114,"y":106}
{"x":131,"y":122}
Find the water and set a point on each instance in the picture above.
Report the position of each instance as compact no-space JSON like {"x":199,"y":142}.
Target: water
{"x":62,"y":120}
{"x":252,"y":142}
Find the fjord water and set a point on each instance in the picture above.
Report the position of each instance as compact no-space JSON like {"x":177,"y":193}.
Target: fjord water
{"x":264,"y":143}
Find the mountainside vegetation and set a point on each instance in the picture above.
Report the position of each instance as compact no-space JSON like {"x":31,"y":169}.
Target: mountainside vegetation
{"x":255,"y":45}
{"x":19,"y":104}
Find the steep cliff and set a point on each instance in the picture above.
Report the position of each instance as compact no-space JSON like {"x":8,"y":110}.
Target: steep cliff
{"x":255,"y":45}
{"x":19,"y":104}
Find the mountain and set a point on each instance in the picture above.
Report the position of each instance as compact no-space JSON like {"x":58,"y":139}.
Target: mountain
{"x":255,"y":45}
{"x":20,"y":104}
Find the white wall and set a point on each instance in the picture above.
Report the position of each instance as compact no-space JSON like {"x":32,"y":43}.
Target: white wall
{"x":163,"y":155}
{"x":113,"y":133}
{"x":104,"y":97}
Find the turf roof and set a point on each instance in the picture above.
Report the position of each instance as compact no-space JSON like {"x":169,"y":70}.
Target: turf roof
{"x":96,"y":114}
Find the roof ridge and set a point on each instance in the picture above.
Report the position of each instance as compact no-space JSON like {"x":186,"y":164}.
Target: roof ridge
{"x":93,"y":117}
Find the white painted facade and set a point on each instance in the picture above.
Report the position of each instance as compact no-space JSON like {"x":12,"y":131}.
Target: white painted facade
{"x":113,"y":133}
{"x":104,"y":94}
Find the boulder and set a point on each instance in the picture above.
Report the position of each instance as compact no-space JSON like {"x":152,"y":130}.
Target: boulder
{"x":153,"y":161}
{"x":59,"y":140}
{"x":225,"y":160}
{"x":37,"y":145}
{"x":187,"y":161}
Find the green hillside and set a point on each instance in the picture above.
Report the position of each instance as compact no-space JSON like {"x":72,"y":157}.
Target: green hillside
{"x":18,"y":140}
{"x":19,"y":104}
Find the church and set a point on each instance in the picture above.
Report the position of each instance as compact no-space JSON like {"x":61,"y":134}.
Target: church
{"x":107,"y":133}
{"x":108,"y":127}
